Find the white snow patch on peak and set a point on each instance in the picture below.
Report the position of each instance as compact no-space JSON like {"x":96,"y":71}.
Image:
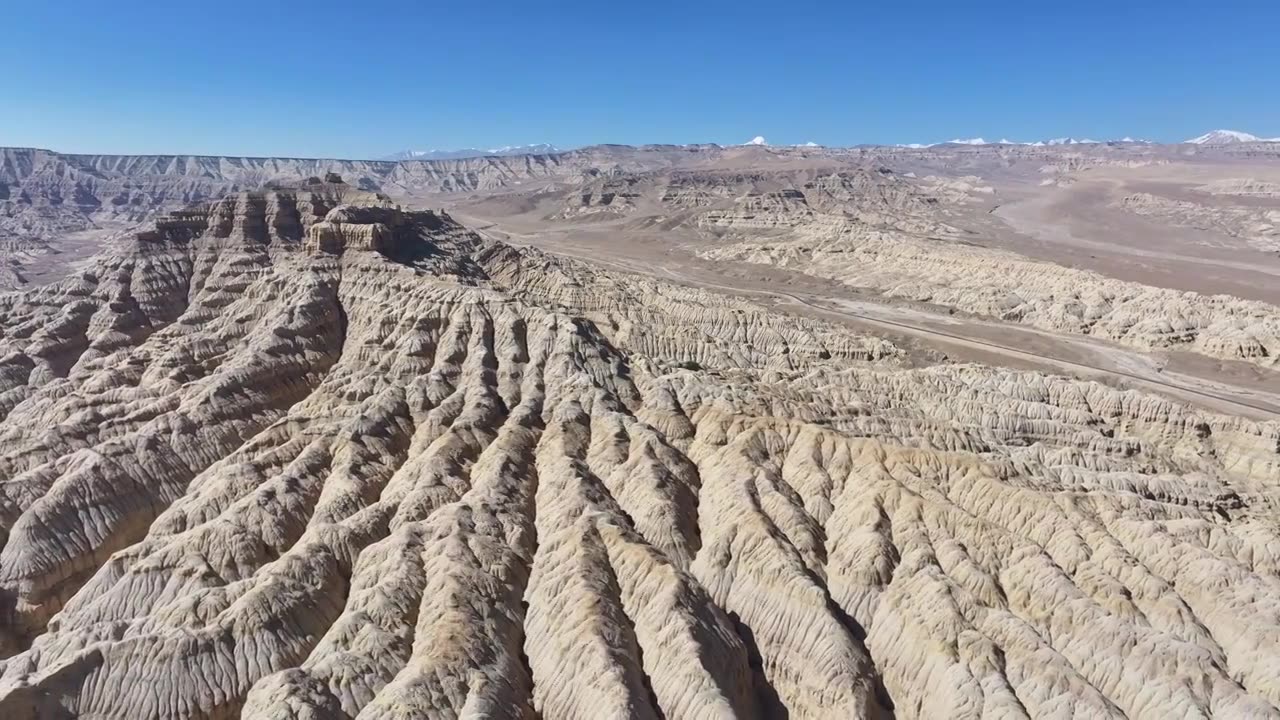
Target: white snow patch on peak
{"x":532,"y":147}
{"x":811,"y":144}
{"x":757,"y":140}
{"x":537,"y":148}
{"x":1053,"y":142}
{"x":1224,"y":137}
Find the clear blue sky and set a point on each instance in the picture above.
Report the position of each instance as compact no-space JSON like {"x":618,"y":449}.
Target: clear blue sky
{"x":362,"y":79}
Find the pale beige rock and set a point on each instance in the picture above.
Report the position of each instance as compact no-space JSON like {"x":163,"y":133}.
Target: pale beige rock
{"x":301,"y":454}
{"x":1009,"y":287}
{"x":1243,"y":187}
{"x":1258,"y":226}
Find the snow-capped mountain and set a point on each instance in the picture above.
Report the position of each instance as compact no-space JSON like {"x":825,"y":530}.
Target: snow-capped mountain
{"x":1038,"y":143}
{"x":1053,"y":142}
{"x":1086,"y":141}
{"x":1227,"y":137}
{"x":759,"y":141}
{"x":535,"y":149}
{"x":1065,"y":141}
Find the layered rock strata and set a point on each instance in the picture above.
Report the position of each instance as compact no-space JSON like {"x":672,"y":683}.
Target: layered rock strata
{"x":301,"y":454}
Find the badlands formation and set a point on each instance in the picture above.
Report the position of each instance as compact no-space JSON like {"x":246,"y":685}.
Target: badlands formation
{"x":659,"y":432}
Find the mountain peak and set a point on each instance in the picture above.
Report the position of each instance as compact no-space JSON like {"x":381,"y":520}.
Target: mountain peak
{"x":1224,"y":137}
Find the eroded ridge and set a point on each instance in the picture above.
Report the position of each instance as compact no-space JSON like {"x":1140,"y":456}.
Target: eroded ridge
{"x":305,"y":454}
{"x":1007,"y":287}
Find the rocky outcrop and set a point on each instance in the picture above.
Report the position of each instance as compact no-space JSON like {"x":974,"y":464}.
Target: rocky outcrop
{"x":744,"y":201}
{"x":356,"y":228}
{"x":44,"y":195}
{"x":1242,"y":187}
{"x":608,"y":195}
{"x":1257,"y":226}
{"x":249,"y":475}
{"x":1008,"y":287}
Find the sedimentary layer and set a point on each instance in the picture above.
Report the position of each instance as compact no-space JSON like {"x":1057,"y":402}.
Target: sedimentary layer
{"x":303,"y":454}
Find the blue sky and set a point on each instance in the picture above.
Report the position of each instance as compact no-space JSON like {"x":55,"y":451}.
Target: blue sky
{"x":350,"y":79}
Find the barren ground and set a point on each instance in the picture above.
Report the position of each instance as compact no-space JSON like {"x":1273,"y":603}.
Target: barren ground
{"x":1050,"y":223}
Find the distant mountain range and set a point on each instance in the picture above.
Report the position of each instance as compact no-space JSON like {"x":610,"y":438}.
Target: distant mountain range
{"x":1053,"y":142}
{"x":534,"y":149}
{"x":1216,"y":137}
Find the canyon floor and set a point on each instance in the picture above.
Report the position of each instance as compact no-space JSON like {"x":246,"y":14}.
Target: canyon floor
{"x":653,"y":432}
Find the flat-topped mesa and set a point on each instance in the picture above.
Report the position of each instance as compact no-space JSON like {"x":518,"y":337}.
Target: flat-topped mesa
{"x":180,"y":225}
{"x":273,"y":216}
{"x":322,"y":217}
{"x":349,"y":227}
{"x":386,"y":229}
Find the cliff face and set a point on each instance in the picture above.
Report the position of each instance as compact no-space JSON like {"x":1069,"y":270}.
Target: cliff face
{"x":119,"y":182}
{"x":123,"y":184}
{"x":46,"y":196}
{"x":301,"y":454}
